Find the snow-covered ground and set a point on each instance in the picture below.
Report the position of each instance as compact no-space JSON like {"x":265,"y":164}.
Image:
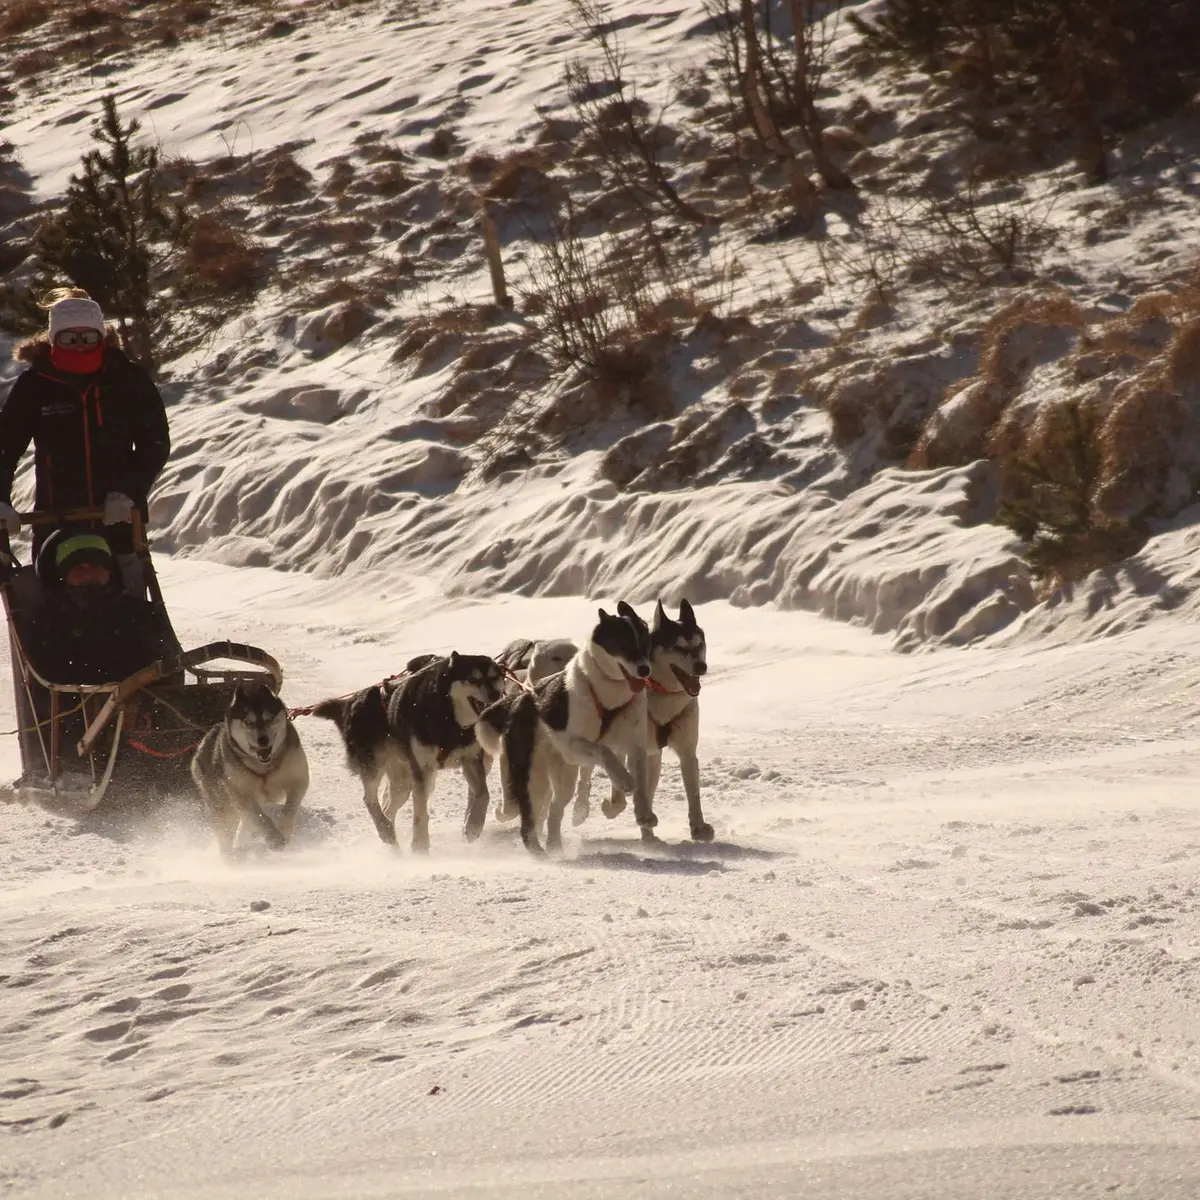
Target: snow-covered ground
{"x":946,"y":944}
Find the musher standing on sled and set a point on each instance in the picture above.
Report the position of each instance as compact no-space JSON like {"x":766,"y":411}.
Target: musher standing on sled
{"x":98,"y":427}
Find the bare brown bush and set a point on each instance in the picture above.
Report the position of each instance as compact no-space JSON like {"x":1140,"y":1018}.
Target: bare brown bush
{"x":221,"y":264}
{"x":623,"y":136}
{"x":1032,"y":328}
{"x":22,"y":15}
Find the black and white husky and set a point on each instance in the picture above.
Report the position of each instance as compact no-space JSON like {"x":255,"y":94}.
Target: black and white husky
{"x":250,"y":763}
{"x":678,"y":662}
{"x":410,"y":729}
{"x":525,"y":663}
{"x":592,"y":714}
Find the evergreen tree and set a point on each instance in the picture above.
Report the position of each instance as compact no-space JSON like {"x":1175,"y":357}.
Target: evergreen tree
{"x":117,"y":233}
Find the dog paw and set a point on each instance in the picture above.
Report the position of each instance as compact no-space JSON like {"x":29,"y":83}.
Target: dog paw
{"x":275,"y":839}
{"x":703,"y":832}
{"x":504,"y":814}
{"x":649,"y":836}
{"x":581,"y":812}
{"x":613,"y":807}
{"x":649,"y":821}
{"x":472,"y":832}
{"x":420,"y":845}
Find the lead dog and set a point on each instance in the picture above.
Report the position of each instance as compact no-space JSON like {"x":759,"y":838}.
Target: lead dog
{"x":411,"y":729}
{"x":591,"y":714}
{"x":250,"y":762}
{"x":678,"y":661}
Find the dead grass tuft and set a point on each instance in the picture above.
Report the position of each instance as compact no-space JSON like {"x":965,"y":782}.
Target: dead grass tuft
{"x":1032,"y":329}
{"x":287,"y":183}
{"x":1183,"y":358}
{"x":22,"y":15}
{"x":222,"y":264}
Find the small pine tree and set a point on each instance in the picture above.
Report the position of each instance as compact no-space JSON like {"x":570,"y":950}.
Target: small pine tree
{"x":118,"y":232}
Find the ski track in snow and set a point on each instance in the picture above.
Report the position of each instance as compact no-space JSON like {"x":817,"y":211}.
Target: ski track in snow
{"x":946,"y":944}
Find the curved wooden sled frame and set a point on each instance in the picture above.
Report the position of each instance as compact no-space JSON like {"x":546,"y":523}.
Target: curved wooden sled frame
{"x":46,"y":735}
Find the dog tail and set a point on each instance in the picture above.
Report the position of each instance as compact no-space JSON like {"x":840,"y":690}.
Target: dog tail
{"x":332,"y":710}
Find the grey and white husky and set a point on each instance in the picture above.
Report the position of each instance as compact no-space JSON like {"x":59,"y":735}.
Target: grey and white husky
{"x":410,"y":729}
{"x":530,"y":662}
{"x":678,"y":662}
{"x":250,"y":763}
{"x":592,"y":714}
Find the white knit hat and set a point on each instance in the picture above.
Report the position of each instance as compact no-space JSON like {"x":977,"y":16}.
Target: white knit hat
{"x":75,"y":314}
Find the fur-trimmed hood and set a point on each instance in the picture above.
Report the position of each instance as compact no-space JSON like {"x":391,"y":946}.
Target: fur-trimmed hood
{"x":37,"y":348}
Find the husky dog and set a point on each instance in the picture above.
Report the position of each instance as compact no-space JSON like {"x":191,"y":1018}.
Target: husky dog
{"x":530,"y":661}
{"x":410,"y":728}
{"x":678,"y":660}
{"x":252,"y":760}
{"x":525,"y":663}
{"x":581,"y":717}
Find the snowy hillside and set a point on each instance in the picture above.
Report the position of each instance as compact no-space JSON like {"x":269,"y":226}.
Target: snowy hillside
{"x":946,"y":942}
{"x":374,"y":407}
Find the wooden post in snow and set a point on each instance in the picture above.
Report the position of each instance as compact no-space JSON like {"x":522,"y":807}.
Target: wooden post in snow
{"x":491,"y":246}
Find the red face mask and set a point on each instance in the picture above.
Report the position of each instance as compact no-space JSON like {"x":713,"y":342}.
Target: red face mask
{"x":78,"y":360}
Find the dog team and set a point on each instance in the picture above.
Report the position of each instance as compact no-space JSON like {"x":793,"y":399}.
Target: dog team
{"x":549,"y":711}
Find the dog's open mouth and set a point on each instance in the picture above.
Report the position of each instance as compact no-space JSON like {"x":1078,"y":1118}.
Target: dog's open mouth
{"x":477,"y":705}
{"x":691,"y":683}
{"x":636,"y":682}
{"x":264,"y":754}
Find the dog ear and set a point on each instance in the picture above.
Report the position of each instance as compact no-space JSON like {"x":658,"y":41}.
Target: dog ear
{"x":623,"y":610}
{"x":603,"y":615}
{"x":660,"y":617}
{"x":686,"y":615}
{"x":454,"y":658}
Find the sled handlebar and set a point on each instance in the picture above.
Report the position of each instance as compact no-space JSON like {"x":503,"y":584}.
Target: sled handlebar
{"x":77,"y":516}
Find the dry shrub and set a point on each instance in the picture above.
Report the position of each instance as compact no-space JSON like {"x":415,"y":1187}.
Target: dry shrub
{"x":221,"y":264}
{"x":1049,"y":498}
{"x":442,"y":143}
{"x":287,"y":182}
{"x":340,"y":291}
{"x":1183,"y":358}
{"x":1030,"y":329}
{"x":480,"y":166}
{"x":1082,"y":474}
{"x":90,"y":16}
{"x":22,"y":15}
{"x":347,"y":322}
{"x":517,"y":175}
{"x":434,"y":338}
{"x":388,"y":180}
{"x":340,"y":177}
{"x":32,"y":63}
{"x":1138,"y":445}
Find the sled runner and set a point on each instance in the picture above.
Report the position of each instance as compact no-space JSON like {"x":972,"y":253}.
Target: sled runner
{"x":130,"y":738}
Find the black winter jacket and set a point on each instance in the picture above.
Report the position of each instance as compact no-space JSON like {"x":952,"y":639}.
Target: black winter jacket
{"x":104,"y":640}
{"x":92,"y":434}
